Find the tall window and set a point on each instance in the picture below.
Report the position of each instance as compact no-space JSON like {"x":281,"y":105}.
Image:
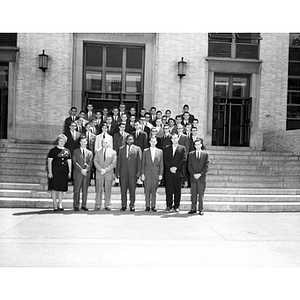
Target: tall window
{"x":234,"y":45}
{"x":113,"y":73}
{"x":293,"y":96}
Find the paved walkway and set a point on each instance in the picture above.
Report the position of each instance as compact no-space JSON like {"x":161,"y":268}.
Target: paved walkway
{"x":42,"y":238}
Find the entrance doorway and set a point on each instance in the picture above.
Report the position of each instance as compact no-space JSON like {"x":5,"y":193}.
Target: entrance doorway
{"x":231,"y":111}
{"x":3,"y":100}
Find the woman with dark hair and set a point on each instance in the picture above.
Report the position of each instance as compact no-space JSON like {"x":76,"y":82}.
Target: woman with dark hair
{"x":59,"y":171}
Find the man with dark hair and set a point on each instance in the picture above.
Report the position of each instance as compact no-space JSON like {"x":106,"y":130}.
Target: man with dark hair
{"x":116,"y":118}
{"x":198,"y":167}
{"x":186,"y":108}
{"x":82,"y":162}
{"x":148,"y":120}
{"x":152,"y":172}
{"x":89,"y":113}
{"x":152,"y":114}
{"x":70,"y":119}
{"x":129,"y":164}
{"x":140,"y":137}
{"x":174,"y":160}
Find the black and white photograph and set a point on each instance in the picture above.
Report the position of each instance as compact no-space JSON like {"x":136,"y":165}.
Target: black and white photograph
{"x":149,"y":150}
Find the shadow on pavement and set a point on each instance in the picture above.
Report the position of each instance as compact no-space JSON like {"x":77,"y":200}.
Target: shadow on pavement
{"x":117,"y":212}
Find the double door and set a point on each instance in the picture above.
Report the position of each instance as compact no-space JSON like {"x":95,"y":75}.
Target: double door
{"x":231,"y":111}
{"x":3,"y":100}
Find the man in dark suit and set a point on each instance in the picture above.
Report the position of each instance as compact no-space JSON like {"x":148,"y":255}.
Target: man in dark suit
{"x":140,"y":137}
{"x":70,"y":119}
{"x":82,"y":162}
{"x":144,"y":128}
{"x":198,"y":167}
{"x":129,"y":164}
{"x":111,"y":128}
{"x":116,"y":118}
{"x":89,"y":114}
{"x":185,"y":109}
{"x":174,"y":160}
{"x":152,"y":172}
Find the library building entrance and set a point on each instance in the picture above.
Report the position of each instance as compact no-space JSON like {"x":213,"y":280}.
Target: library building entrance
{"x":231,"y":111}
{"x":3,"y":99}
{"x":113,"y":74}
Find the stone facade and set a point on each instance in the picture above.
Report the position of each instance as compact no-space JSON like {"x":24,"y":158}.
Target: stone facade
{"x":42,"y":98}
{"x":171,"y":91}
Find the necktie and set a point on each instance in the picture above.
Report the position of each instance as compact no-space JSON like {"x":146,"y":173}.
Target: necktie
{"x":104,"y":155}
{"x":103,"y":135}
{"x":73,"y":134}
{"x":198,"y":155}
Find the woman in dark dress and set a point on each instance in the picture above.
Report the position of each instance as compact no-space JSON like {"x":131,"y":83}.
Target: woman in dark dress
{"x":59,"y":171}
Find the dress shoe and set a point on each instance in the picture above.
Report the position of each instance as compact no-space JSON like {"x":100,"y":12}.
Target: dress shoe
{"x":116,"y":184}
{"x":132,"y":209}
{"x":97,"y":209}
{"x":85,"y":208}
{"x":201,"y":213}
{"x":176,"y":209}
{"x":168,"y":209}
{"x":147,"y":209}
{"x":56,"y":209}
{"x":61,"y":209}
{"x":107,"y":208}
{"x":123,"y":209}
{"x":192,"y":212}
{"x":139,"y":185}
{"x":154,"y":209}
{"x":76,"y":209}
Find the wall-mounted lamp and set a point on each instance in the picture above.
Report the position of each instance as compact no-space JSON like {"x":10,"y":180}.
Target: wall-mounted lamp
{"x":43,"y":61}
{"x":181,"y":68}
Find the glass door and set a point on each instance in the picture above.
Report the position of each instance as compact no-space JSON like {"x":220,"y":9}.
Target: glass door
{"x":231,"y":111}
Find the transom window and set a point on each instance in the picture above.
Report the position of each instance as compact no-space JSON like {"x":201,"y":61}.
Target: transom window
{"x":234,"y":45}
{"x":293,"y":96}
{"x":113,"y":74}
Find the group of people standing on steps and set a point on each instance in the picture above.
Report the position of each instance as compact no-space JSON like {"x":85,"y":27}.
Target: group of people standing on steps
{"x":147,"y":149}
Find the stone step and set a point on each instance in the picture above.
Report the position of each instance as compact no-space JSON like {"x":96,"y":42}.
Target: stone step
{"x":37,"y":167}
{"x":140,"y":205}
{"x":21,"y":186}
{"x":24,"y":179}
{"x":255,"y":167}
{"x":24,"y":161}
{"x":160,"y":196}
{"x":257,"y":185}
{"x":29,"y":155}
{"x":246,"y":152}
{"x":254,"y":172}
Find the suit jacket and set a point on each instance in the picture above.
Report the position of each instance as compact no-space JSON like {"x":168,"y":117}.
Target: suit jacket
{"x":192,"y":147}
{"x":173,"y":130}
{"x":152,"y":169}
{"x":146,"y":129}
{"x":184,"y":141}
{"x":141,"y":140}
{"x":99,"y":138}
{"x":91,"y":139}
{"x":178,"y":160}
{"x":198,"y":166}
{"x":98,"y":126}
{"x":72,"y":144}
{"x":119,"y":140}
{"x":80,"y":163}
{"x":109,"y":164}
{"x":163,"y":142}
{"x":92,"y":116}
{"x":67,"y":123}
{"x":116,"y":122}
{"x":113,"y":129}
{"x":130,"y":166}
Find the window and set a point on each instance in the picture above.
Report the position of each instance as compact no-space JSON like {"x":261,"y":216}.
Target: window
{"x":234,"y":45}
{"x":113,"y":73}
{"x":293,"y":95}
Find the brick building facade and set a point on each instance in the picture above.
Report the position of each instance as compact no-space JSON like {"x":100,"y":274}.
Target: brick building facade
{"x":38,"y":102}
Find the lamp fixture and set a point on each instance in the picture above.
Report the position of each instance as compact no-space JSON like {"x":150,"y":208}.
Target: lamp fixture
{"x":43,"y":61}
{"x":181,"y":68}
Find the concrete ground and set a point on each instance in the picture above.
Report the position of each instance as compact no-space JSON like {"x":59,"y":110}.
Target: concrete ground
{"x":43,"y":238}
{"x":185,"y":256}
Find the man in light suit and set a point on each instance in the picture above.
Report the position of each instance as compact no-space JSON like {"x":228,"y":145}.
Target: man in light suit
{"x":82,"y":162}
{"x":174,"y":161}
{"x":129,"y":164}
{"x":198,"y":167}
{"x":103,"y":135}
{"x":105,"y":162}
{"x":152,"y":172}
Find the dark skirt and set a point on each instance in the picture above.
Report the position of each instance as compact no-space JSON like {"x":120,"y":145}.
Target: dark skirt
{"x":59,"y":181}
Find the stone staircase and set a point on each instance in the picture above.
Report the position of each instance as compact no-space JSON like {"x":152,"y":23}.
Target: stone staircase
{"x":239,"y":179}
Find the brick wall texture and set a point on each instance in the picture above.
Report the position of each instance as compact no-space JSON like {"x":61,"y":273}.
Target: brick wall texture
{"x":171,"y":91}
{"x":43,"y":98}
{"x":274,"y":49}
